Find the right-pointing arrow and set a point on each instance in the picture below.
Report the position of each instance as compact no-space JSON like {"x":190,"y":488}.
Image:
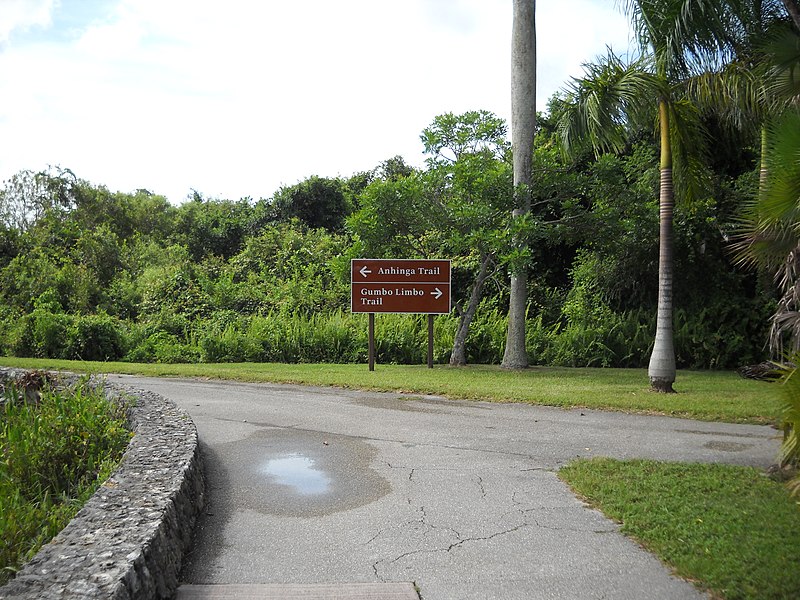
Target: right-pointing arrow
{"x":436,"y":293}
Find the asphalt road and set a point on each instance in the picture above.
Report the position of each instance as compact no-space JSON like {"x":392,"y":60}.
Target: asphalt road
{"x":322,"y":485}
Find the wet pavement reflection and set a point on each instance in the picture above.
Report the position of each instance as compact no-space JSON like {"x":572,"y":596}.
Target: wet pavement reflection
{"x":298,"y":472}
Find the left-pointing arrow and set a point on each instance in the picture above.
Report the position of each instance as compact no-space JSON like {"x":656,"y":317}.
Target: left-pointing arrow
{"x":436,"y":293}
{"x":364,"y":271}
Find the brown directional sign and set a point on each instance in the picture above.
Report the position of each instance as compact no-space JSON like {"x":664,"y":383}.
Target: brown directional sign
{"x":400,"y":286}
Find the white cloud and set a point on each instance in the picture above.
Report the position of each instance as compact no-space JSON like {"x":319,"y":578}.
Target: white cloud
{"x":571,"y":33}
{"x":237,"y":98}
{"x":21,"y":15}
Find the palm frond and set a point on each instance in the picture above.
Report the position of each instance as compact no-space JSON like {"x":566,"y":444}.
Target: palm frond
{"x":734,"y":94}
{"x":600,"y":108}
{"x":689,"y":141}
{"x":771,"y":223}
{"x":685,"y":36}
{"x":782,"y":50}
{"x":763,"y":244}
{"x":782,"y":198}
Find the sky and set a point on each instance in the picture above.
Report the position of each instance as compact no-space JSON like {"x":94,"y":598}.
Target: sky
{"x":238,"y":98}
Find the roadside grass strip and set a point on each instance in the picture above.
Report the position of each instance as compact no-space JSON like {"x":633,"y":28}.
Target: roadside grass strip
{"x":705,"y":395}
{"x":730,"y":530}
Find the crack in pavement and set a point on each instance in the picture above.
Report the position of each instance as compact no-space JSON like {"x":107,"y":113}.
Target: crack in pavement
{"x":481,"y":486}
{"x":449,"y":548}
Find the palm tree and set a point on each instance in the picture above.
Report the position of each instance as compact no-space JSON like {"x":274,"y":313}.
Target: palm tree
{"x":523,"y":127}
{"x":676,"y":38}
{"x":739,"y":95}
{"x":770,"y":98}
{"x":762,"y":87}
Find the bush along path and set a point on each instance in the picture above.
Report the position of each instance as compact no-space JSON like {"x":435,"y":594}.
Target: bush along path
{"x":57,"y":446}
{"x":129,"y":538}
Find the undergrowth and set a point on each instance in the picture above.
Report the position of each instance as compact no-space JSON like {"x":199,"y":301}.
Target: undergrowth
{"x":56,"y":447}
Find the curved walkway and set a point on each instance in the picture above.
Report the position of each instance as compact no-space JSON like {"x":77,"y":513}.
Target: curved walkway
{"x":324,"y":486}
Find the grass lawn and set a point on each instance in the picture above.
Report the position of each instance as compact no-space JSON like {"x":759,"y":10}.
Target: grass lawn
{"x":730,"y":529}
{"x":706,"y":395}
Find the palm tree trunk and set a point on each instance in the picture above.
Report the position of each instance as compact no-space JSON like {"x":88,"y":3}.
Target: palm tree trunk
{"x":523,"y":128}
{"x":794,"y":11}
{"x":662,"y":362}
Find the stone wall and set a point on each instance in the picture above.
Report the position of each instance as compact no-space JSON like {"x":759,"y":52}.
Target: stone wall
{"x":128,"y":541}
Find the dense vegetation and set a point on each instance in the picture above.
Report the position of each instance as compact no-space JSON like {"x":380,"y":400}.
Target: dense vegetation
{"x":56,"y":447}
{"x":90,"y":274}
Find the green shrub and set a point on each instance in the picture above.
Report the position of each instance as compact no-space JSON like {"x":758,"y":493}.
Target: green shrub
{"x":9,"y":325}
{"x":46,"y":334}
{"x":54,"y":452}
{"x":487,"y":337}
{"x":721,"y":336}
{"x":57,"y":444}
{"x":333,"y":337}
{"x":401,"y":339}
{"x":337,"y":337}
{"x":715,"y":337}
{"x":444,"y":331}
{"x":26,"y":526}
{"x":96,"y":337}
{"x":230,"y":344}
{"x":42,"y":334}
{"x":162,"y":347}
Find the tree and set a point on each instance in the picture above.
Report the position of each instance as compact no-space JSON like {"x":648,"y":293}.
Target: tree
{"x":677,"y":38}
{"x":470,"y":183}
{"x":793,"y":8}
{"x":213,"y":227}
{"x":769,"y":237}
{"x":457,"y":207}
{"x":772,"y":237}
{"x":28,"y":195}
{"x":773,"y":240}
{"x":317,"y":202}
{"x":523,"y":127}
{"x":742,"y":95}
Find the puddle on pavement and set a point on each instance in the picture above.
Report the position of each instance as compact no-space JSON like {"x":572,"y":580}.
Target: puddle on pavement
{"x":299,"y":473}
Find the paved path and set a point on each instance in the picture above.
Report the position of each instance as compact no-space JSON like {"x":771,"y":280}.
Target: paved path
{"x":320,"y":485}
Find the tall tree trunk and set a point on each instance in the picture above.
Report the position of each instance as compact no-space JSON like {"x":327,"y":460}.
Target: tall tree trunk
{"x":793,"y":9}
{"x":523,"y":127}
{"x":458,"y":358}
{"x":662,"y":362}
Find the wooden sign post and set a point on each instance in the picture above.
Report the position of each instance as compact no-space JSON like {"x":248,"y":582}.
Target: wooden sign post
{"x":399,"y":286}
